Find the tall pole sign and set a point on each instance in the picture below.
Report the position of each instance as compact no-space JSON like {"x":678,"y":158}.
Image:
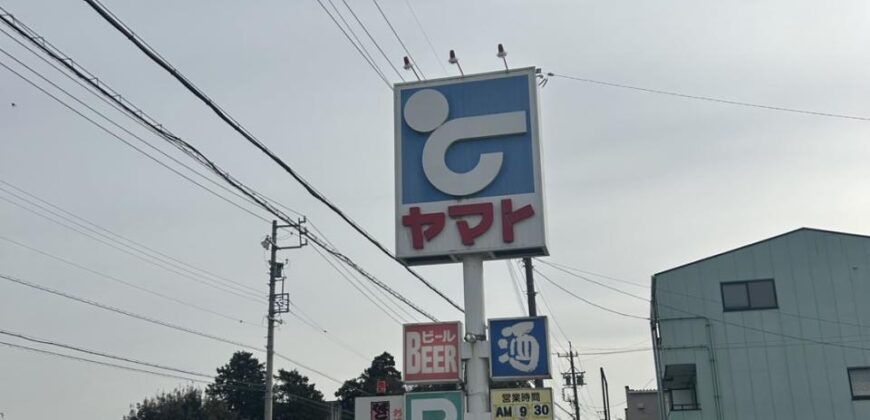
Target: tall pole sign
{"x":469,"y":189}
{"x":468,"y":168}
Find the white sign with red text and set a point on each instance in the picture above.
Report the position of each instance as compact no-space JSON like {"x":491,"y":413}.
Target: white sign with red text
{"x":383,"y":407}
{"x":431,"y":352}
{"x":468,"y":172}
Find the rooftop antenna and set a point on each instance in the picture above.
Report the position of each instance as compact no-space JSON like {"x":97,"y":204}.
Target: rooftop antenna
{"x":410,"y":66}
{"x":454,"y":60}
{"x":502,"y":54}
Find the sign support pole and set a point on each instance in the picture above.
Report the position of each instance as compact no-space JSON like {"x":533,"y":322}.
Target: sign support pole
{"x":533,"y":307}
{"x":477,"y":381}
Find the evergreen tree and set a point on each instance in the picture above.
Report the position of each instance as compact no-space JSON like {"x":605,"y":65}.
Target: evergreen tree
{"x":180,"y":404}
{"x":297,"y":399}
{"x":240,"y":385}
{"x":383,"y":368}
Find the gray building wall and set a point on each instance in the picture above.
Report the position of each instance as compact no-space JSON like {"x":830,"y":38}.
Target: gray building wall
{"x":788,"y":363}
{"x":641,"y":404}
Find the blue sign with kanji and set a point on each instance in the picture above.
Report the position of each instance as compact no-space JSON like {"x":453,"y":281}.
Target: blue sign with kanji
{"x":519,"y":348}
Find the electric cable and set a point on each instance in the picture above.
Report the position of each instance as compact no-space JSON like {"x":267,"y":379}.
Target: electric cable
{"x":81,"y":359}
{"x":158,"y":322}
{"x":382,"y":307}
{"x":643,"y":299}
{"x":329,"y":336}
{"x":195,"y":154}
{"x":112,"y":237}
{"x":721,"y":321}
{"x":4,"y":16}
{"x":359,"y":48}
{"x":223,"y":115}
{"x":399,"y":310}
{"x":607,"y":353}
{"x":99,"y":353}
{"x":211,"y":284}
{"x":589,"y":302}
{"x":127,"y":239}
{"x":375,"y":42}
{"x":125,"y":313}
{"x":567,"y":267}
{"x":398,"y":38}
{"x":515,"y":283}
{"x":353,"y":33}
{"x":555,"y":321}
{"x":134,"y":119}
{"x":712,"y":99}
{"x":233,"y":384}
{"x":129,"y":284}
{"x":425,"y":35}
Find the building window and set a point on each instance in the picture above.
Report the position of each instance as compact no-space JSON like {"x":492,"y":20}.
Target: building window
{"x":749,"y":295}
{"x":680,"y":385}
{"x":859,"y":381}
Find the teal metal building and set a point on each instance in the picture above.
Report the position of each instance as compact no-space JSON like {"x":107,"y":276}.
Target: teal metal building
{"x":775,"y":330}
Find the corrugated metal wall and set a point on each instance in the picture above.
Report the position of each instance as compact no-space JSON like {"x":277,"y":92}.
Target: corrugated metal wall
{"x":773,"y":364}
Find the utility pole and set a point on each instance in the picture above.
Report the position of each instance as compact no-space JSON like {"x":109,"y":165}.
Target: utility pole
{"x":573,"y":379}
{"x":279,"y":303}
{"x":530,"y":294}
{"x":605,"y":395}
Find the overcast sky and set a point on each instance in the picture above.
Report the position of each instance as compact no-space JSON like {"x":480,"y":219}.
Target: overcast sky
{"x":636,"y":182}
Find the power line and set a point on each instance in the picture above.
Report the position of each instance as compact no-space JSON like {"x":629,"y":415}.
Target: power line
{"x":426,"y":35}
{"x":606,"y":353}
{"x":398,"y":38}
{"x":124,"y":312}
{"x":383,"y":298}
{"x":315,"y":327}
{"x":585,"y":395}
{"x":126,"y":283}
{"x":375,"y":42}
{"x":515,"y":283}
{"x":712,"y":99}
{"x":620,"y":291}
{"x":223,"y":115}
{"x":48,"y":48}
{"x":232,"y":384}
{"x":589,"y":302}
{"x":566,"y":267}
{"x":359,"y":48}
{"x":383,"y":308}
{"x":555,"y":321}
{"x":82,"y":359}
{"x":643,"y":299}
{"x":717,"y":320}
{"x":98,"y":353}
{"x":203,"y":281}
{"x":124,"y":238}
{"x":119,"y":138}
{"x":158,"y":322}
{"x":195,"y":154}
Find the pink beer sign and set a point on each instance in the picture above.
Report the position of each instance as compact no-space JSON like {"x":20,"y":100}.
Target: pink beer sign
{"x":432,"y":352}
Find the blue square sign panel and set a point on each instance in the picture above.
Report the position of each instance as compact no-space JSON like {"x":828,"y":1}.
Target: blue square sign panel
{"x":520,"y":348}
{"x":468,"y":173}
{"x":479,"y":99}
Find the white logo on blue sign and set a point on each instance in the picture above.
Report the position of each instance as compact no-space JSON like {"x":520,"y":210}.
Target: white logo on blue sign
{"x":519,"y":348}
{"x":470,"y":140}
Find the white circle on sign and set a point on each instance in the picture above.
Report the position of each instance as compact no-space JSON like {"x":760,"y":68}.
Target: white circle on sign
{"x":426,"y":110}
